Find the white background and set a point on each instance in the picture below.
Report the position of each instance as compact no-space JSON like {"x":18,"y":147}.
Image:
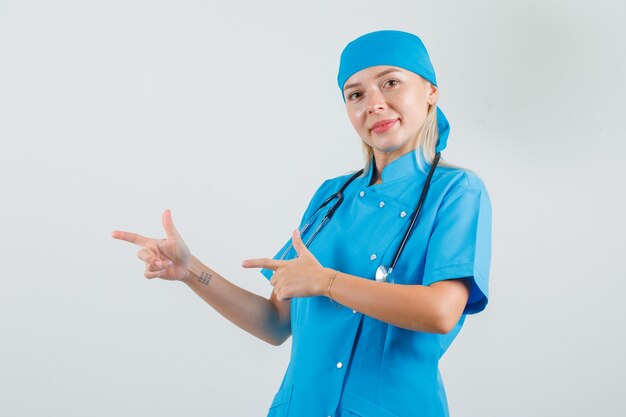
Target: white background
{"x":229,"y":115}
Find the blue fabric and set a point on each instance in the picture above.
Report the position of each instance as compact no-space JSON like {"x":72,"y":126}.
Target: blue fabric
{"x":386,"y":370}
{"x":395,"y":48}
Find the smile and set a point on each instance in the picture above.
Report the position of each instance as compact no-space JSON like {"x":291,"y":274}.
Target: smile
{"x":383,"y":125}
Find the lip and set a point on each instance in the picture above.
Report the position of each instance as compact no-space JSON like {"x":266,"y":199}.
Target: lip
{"x":382,"y":126}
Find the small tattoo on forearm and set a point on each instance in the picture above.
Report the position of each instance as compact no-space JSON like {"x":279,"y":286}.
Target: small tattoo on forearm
{"x":205,"y":278}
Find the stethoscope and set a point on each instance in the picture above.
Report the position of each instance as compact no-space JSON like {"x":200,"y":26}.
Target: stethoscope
{"x":383,"y":272}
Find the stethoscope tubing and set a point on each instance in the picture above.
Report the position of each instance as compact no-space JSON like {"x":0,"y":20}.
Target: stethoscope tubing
{"x":418,"y":209}
{"x":339,"y":196}
{"x":329,"y":214}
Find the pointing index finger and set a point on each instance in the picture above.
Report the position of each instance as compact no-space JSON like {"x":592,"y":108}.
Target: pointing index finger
{"x":262,"y":263}
{"x":135,"y":238}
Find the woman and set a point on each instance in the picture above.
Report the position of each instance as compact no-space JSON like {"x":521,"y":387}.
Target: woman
{"x":366,"y":342}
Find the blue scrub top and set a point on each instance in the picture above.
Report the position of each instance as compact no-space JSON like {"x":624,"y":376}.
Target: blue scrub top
{"x":344,"y":363}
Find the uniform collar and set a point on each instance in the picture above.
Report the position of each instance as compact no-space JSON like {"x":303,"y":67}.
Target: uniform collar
{"x":406,"y":165}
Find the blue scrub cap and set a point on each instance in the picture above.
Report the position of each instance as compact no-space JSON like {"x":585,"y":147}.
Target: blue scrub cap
{"x":395,"y":48}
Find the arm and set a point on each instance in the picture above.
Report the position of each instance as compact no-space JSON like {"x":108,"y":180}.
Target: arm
{"x":170,"y":259}
{"x":434,"y":309}
{"x":269,"y":320}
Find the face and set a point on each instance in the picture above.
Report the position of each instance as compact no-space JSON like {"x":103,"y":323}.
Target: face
{"x":388,"y":106}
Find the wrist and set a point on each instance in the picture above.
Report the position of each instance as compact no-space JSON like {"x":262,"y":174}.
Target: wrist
{"x":325,"y":276}
{"x":191,"y":270}
{"x":187,"y":278}
{"x":331,"y":281}
{"x":327,"y":283}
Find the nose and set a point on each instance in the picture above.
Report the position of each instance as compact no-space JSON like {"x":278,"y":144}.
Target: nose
{"x":376,"y":102}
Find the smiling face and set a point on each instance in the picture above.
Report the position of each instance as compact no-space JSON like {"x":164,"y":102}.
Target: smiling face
{"x":387,"y":107}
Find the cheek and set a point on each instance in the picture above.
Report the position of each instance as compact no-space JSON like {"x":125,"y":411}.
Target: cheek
{"x":418,"y":109}
{"x":356,"y":118}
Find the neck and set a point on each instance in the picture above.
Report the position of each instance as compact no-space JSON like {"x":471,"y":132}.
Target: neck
{"x":381,"y":160}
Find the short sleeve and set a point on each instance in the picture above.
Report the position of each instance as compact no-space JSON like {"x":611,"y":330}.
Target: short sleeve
{"x":313,"y":204}
{"x":460,"y":244}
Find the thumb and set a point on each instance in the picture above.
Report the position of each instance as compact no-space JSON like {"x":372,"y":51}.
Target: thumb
{"x":298,"y":244}
{"x":168,"y":224}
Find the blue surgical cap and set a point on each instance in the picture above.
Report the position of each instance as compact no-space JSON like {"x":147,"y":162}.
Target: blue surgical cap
{"x":395,"y":48}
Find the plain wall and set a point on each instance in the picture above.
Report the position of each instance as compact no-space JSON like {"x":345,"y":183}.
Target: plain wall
{"x":228,"y":113}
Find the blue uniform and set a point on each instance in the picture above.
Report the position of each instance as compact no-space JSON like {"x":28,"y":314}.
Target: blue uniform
{"x":344,"y":363}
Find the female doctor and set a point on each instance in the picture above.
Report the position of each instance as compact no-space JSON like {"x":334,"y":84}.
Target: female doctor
{"x":376,"y":283}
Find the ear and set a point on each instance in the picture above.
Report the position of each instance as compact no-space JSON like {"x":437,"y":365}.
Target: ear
{"x":433,"y":93}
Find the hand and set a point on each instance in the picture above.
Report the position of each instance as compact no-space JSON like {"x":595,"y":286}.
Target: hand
{"x":303,"y":276}
{"x":166,"y":258}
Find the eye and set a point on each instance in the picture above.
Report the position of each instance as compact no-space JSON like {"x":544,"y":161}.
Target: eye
{"x":354,"y":95}
{"x":391,"y":83}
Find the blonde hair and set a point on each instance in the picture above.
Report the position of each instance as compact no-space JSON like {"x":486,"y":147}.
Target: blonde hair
{"x":426,"y":142}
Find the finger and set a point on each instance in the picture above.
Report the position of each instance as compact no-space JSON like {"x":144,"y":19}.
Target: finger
{"x":161,"y":264}
{"x":168,"y":224}
{"x":158,"y":266}
{"x":281,"y":296}
{"x":154,"y":274}
{"x":262,"y":263}
{"x":274,"y":281}
{"x":298,"y":244}
{"x":130,"y":237}
{"x":146,"y":255}
{"x":153,"y":262}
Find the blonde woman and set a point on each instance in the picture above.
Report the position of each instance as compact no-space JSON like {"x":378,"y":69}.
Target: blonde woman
{"x":376,"y":282}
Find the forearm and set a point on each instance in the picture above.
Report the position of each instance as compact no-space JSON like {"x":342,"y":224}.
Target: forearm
{"x":251,"y":312}
{"x":413,"y":307}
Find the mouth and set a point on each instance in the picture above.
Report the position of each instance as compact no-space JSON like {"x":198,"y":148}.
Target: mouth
{"x":383,"y":125}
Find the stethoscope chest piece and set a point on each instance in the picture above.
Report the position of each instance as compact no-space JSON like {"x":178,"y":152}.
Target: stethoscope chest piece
{"x":383,"y":274}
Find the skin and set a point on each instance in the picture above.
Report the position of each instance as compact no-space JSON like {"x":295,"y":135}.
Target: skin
{"x":373,"y":94}
{"x":383,"y":93}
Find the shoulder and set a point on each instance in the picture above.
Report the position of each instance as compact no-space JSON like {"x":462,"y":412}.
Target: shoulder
{"x":327,"y":188}
{"x":454,"y":183}
{"x":332,"y":185}
{"x":459,"y":179}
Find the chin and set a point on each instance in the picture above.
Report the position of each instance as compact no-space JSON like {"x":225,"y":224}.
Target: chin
{"x":389,"y":149}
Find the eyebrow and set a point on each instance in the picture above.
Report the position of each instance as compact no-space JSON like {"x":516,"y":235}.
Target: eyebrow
{"x":385,"y":72}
